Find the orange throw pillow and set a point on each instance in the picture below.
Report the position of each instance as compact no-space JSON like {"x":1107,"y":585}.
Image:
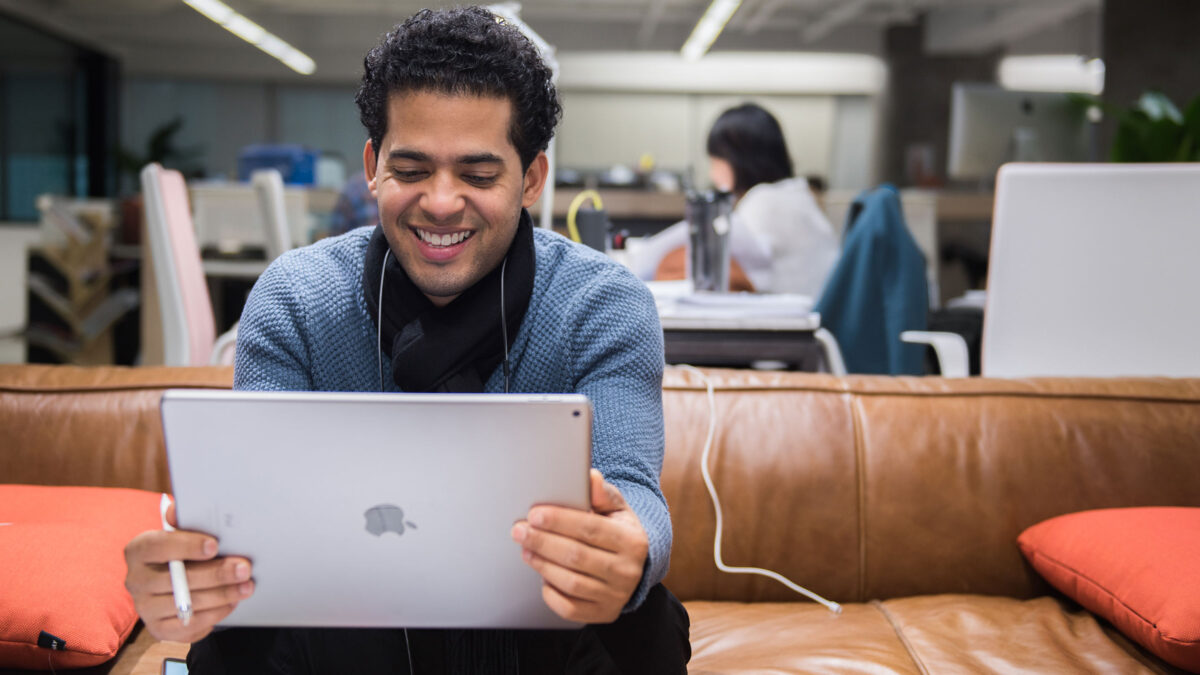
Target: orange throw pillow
{"x":1139,"y":568}
{"x":63,"y":602}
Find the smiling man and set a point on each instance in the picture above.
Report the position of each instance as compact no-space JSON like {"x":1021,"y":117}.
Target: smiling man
{"x":456,"y":291}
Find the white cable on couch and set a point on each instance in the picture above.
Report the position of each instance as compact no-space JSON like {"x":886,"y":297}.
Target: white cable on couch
{"x":712,"y":492}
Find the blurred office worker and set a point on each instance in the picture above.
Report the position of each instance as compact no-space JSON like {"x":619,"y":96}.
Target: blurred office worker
{"x":456,"y":291}
{"x":356,"y":206}
{"x":780,"y":239}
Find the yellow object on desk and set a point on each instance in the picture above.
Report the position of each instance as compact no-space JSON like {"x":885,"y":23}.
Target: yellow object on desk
{"x":574,"y":208}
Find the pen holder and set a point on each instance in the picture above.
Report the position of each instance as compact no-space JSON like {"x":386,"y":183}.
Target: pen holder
{"x":708,"y":219}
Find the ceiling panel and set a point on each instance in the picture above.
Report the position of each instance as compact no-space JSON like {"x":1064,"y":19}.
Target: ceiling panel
{"x":167,"y":37}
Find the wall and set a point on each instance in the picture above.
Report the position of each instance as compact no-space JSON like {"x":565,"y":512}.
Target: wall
{"x":56,"y":119}
{"x":919,"y":85}
{"x":829,"y":135}
{"x":221,"y":118}
{"x":1170,"y":66}
{"x":835,"y":136}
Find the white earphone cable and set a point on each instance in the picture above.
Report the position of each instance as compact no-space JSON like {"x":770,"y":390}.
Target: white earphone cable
{"x":712,"y":492}
{"x":379,"y":327}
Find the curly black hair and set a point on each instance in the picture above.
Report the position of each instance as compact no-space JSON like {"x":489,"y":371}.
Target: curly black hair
{"x":462,"y":51}
{"x":749,"y":138}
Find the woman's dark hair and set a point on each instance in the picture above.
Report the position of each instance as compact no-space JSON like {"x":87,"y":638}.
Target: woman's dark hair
{"x":749,"y":138}
{"x":462,"y":51}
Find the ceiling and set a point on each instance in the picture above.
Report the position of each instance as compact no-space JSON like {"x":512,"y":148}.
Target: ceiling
{"x":166,"y":37}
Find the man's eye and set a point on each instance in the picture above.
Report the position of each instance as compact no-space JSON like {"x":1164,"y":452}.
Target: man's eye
{"x":478,"y":180}
{"x":409,"y":175}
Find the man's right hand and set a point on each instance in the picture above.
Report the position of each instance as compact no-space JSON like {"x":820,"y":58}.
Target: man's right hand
{"x":217,"y":584}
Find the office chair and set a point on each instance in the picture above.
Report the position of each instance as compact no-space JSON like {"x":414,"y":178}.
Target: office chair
{"x":877,"y":290}
{"x":1092,"y":272}
{"x":268,"y":189}
{"x":189,"y":328}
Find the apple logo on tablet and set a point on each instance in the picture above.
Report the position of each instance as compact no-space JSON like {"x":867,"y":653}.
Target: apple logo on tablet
{"x":386,"y":518}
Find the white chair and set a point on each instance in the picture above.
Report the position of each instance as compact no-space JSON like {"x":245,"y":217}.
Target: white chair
{"x":189,"y":329}
{"x":268,"y":188}
{"x":1093,"y":272}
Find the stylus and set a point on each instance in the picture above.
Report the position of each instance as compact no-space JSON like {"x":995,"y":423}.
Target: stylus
{"x":179,"y":584}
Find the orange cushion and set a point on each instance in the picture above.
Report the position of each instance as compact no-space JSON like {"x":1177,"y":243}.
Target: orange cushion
{"x":673,"y":267}
{"x":64,"y":572}
{"x":1139,"y":568}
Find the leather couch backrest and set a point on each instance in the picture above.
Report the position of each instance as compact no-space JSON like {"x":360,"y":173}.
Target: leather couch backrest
{"x":61,"y":425}
{"x":859,"y":487}
{"x":878,"y":487}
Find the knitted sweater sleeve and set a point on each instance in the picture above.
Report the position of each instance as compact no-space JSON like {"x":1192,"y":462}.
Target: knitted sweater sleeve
{"x":272,"y":352}
{"x":617,"y":362}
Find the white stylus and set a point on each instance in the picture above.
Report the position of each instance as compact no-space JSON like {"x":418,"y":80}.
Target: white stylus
{"x":179,"y":584}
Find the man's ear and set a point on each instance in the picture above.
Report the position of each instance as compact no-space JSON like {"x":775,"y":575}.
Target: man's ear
{"x":369,"y":167}
{"x":535,"y":179}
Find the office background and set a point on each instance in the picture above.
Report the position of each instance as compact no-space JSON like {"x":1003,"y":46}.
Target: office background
{"x":81,"y":80}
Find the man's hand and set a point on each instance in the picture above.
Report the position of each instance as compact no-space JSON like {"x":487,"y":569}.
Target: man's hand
{"x":590,"y":562}
{"x":217,"y":584}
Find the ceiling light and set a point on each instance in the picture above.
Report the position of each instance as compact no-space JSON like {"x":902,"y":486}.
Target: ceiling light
{"x":245,"y":29}
{"x":213,"y":9}
{"x":1059,"y":73}
{"x":708,"y":28}
{"x":255,"y":34}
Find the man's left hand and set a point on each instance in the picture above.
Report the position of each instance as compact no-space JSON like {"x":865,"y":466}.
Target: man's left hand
{"x":590,"y":562}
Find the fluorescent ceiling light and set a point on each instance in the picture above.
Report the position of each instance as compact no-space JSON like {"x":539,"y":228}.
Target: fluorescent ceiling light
{"x":708,"y":28}
{"x":724,"y":72}
{"x":255,"y":34}
{"x":1058,"y":73}
{"x":213,"y":9}
{"x":245,"y":29}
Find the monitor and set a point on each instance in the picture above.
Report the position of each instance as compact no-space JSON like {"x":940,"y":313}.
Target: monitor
{"x":991,"y":125}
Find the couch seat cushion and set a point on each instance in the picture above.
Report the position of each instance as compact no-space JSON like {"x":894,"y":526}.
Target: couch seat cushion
{"x":793,"y":637}
{"x":927,"y":634}
{"x":981,"y":634}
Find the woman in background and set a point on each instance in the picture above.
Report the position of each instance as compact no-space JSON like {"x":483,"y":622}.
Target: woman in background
{"x":780,"y":239}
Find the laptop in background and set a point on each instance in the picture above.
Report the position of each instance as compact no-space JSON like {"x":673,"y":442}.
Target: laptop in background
{"x":1093,"y":271}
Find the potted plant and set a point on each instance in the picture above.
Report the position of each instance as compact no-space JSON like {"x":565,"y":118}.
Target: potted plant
{"x":160,"y":147}
{"x":1154,"y":130}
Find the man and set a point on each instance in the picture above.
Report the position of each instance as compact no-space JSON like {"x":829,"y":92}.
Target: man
{"x":459,"y":108}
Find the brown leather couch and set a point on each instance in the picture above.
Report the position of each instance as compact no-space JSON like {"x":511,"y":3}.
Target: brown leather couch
{"x":901,"y":498}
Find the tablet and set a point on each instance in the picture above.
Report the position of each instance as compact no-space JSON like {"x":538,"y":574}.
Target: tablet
{"x":378,"y":510}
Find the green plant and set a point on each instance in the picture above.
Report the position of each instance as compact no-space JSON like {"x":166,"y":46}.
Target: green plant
{"x":1154,"y":130}
{"x":161,"y":148}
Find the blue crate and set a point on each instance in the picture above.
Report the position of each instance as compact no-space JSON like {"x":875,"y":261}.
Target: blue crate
{"x":296,"y":163}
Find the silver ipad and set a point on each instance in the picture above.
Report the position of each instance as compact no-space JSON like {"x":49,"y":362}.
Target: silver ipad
{"x":380,"y":510}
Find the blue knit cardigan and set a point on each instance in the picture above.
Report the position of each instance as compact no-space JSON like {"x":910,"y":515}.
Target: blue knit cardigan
{"x":591,"y":328}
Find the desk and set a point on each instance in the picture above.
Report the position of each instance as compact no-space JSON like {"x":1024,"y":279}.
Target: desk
{"x":742,"y":341}
{"x":247,"y":270}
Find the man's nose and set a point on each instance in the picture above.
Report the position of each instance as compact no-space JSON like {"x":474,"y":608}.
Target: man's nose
{"x":442,"y":201}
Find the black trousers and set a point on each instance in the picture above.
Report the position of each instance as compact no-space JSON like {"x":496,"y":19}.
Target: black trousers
{"x":652,"y":639}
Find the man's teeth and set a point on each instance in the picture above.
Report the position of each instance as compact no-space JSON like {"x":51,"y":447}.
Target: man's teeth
{"x":443,"y":239}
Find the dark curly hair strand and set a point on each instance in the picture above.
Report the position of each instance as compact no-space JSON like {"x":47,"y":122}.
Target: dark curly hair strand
{"x":462,"y":51}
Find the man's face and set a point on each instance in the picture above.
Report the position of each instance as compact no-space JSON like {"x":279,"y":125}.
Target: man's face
{"x":450,"y":188}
